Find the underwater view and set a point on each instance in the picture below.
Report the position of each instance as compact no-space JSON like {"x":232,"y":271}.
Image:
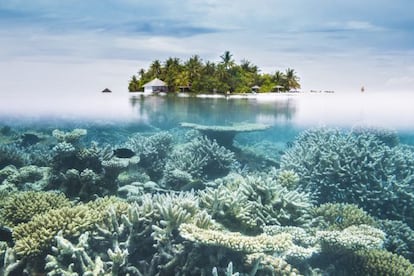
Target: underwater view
{"x":293,"y":184}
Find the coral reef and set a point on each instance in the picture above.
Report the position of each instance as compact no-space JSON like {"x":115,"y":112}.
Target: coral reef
{"x":195,"y":207}
{"x":355,"y":168}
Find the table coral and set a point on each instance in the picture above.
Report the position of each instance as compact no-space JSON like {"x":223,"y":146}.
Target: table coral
{"x":224,"y":134}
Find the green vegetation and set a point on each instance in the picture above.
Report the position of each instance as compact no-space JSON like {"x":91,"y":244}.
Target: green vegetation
{"x":195,"y":75}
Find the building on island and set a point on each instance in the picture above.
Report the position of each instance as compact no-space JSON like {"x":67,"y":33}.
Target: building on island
{"x":255,"y":89}
{"x":155,"y":86}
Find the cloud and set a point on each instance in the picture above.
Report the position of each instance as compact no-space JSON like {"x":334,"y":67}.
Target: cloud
{"x":338,"y":43}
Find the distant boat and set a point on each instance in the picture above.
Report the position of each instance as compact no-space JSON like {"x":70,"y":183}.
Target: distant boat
{"x":106,"y":90}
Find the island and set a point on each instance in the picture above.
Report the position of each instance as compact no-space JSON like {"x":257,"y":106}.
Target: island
{"x":197,"y":76}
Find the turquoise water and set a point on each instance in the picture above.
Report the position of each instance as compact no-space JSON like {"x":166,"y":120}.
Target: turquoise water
{"x":312,"y":184}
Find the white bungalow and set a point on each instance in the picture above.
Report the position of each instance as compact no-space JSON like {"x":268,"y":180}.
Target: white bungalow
{"x":155,"y":86}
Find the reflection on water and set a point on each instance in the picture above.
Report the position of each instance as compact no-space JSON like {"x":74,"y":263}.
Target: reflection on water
{"x":169,"y":111}
{"x":303,"y":110}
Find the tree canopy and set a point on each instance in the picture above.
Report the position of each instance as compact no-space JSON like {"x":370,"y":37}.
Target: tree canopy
{"x":197,"y":76}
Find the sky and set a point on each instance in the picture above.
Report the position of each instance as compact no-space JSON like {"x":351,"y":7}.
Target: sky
{"x":80,"y":47}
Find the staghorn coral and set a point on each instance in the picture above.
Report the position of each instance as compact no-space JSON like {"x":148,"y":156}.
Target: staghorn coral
{"x":251,"y":202}
{"x":191,"y":163}
{"x":21,"y":207}
{"x":152,"y":151}
{"x":340,"y":216}
{"x":36,"y":236}
{"x":355,"y":168}
{"x":11,"y":154}
{"x":72,"y":259}
{"x":288,"y":179}
{"x":270,"y":265}
{"x":140,"y":241}
{"x":399,"y":238}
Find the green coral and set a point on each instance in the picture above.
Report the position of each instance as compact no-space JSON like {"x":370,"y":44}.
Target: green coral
{"x":21,"y":207}
{"x":288,"y":179}
{"x":340,"y":216}
{"x":378,"y":262}
{"x":35,"y":236}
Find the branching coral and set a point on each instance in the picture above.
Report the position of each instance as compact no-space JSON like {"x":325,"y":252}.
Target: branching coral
{"x":377,"y":262}
{"x":251,"y":202}
{"x":340,"y":216}
{"x":71,"y":137}
{"x":153,"y":152}
{"x":351,"y":239}
{"x":27,"y":178}
{"x":399,"y":238}
{"x":10,"y":154}
{"x":73,"y":259}
{"x":355,"y":168}
{"x":35,"y":236}
{"x":21,"y":207}
{"x":279,"y":244}
{"x":195,"y":161}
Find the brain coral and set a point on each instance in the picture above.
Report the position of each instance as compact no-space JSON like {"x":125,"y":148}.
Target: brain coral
{"x":355,"y":168}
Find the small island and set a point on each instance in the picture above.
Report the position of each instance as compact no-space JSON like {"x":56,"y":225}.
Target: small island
{"x":226,"y":76}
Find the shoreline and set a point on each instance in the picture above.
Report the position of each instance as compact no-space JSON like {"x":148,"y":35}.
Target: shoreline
{"x":234,"y":95}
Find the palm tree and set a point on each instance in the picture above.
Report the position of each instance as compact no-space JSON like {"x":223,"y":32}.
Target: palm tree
{"x":227,"y":60}
{"x":155,"y":69}
{"x":247,"y":66}
{"x":292,"y":80}
{"x":194,"y":66}
{"x":171,"y":70}
{"x":133,"y":84}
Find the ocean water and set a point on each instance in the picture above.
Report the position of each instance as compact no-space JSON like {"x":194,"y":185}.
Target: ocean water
{"x":109,"y":183}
